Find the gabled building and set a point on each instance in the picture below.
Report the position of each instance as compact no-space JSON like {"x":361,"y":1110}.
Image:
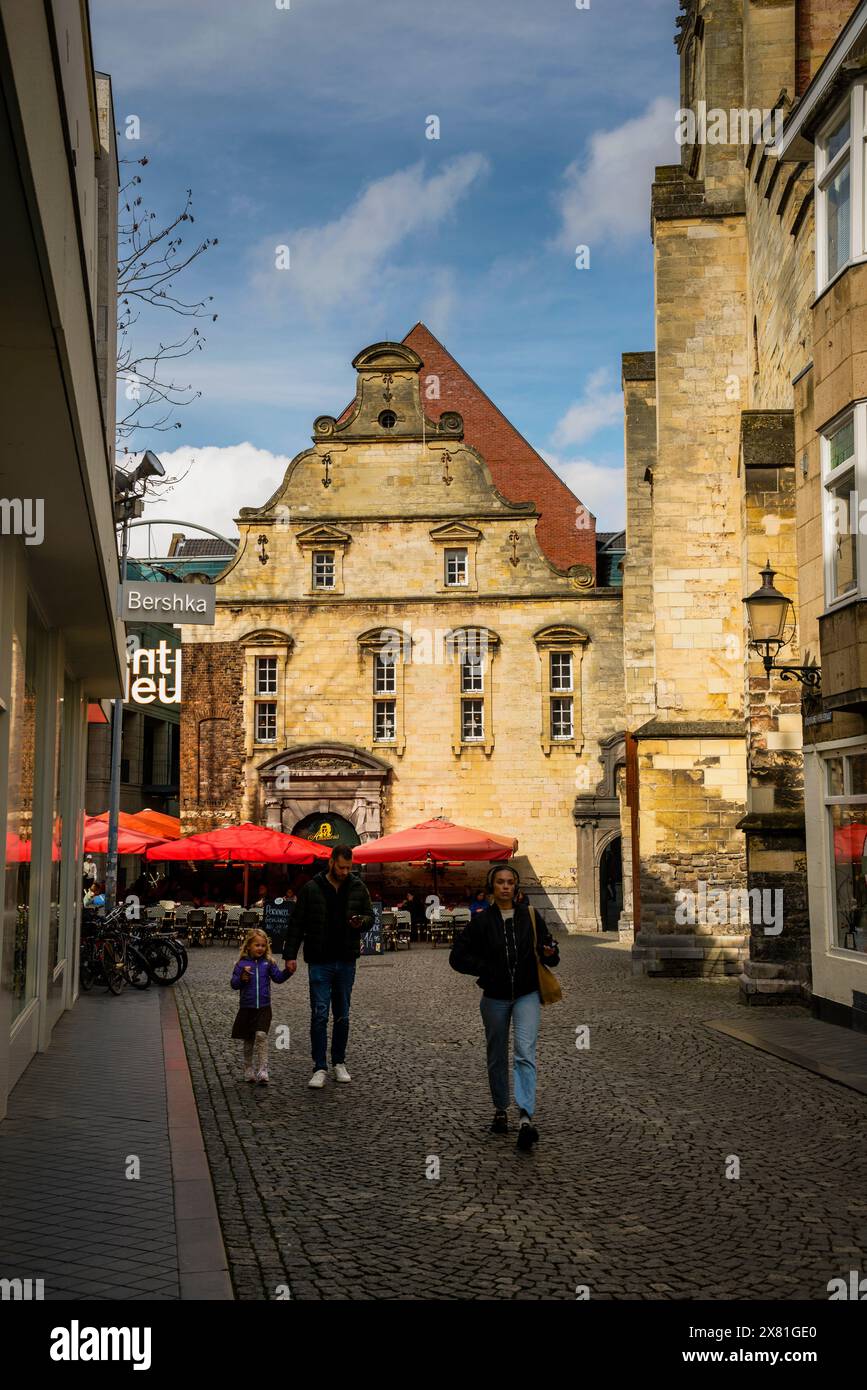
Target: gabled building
{"x":412,"y":627}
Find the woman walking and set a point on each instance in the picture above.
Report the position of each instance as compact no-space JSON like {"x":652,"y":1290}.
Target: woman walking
{"x":507,"y":947}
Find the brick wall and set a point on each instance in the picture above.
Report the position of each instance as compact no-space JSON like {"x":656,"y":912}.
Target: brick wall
{"x":818,"y":24}
{"x":212,"y":736}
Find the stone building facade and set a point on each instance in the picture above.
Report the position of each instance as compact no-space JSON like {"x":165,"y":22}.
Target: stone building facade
{"x":713,"y":792}
{"x":412,"y":628}
{"x":825,"y":136}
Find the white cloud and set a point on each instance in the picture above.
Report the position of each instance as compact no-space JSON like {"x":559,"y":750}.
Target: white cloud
{"x":601,"y":405}
{"x":217,"y":482}
{"x":342,"y":261}
{"x":606,"y":195}
{"x":599,"y":486}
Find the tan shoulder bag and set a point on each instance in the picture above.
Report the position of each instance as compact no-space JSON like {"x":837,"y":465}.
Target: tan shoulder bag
{"x":550,"y":990}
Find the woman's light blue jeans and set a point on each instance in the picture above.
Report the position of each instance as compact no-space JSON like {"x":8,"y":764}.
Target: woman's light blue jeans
{"x":524,"y":1013}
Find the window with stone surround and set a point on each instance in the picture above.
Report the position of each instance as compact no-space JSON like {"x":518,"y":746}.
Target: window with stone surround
{"x":457,"y":544}
{"x":266,"y":721}
{"x":845,"y":794}
{"x":323,"y":569}
{"x":561,"y":649}
{"x":382,"y":654}
{"x":457,"y":568}
{"x":470,"y":651}
{"x":844,"y":479}
{"x":266,"y":675}
{"x":841,"y":218}
{"x":266,"y":654}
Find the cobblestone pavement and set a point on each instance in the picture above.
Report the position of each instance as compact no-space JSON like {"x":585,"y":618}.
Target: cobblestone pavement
{"x":327,"y":1191}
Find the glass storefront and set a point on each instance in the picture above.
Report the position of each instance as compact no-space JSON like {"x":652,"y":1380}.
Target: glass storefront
{"x":19,"y":964}
{"x":846,"y":802}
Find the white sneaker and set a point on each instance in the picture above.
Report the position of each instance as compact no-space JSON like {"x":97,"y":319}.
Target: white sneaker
{"x":340,"y":1073}
{"x":318,"y":1079}
{"x":263,"y":1077}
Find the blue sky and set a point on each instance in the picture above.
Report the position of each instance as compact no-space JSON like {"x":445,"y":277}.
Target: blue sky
{"x":306,"y":127}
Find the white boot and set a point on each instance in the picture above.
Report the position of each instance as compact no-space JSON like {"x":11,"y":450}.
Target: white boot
{"x":261,"y":1058}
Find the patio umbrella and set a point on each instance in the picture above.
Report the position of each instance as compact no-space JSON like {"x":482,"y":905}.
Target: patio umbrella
{"x":437,"y":841}
{"x":153,"y":823}
{"x":244,"y":844}
{"x":128,"y":841}
{"x":849,"y":842}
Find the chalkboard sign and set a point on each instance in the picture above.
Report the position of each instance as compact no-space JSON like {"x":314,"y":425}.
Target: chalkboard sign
{"x":275,"y":921}
{"x":371,"y":940}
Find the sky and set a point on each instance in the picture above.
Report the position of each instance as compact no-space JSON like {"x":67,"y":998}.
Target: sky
{"x":306,"y":125}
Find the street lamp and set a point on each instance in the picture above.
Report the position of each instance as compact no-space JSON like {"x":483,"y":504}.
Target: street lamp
{"x":129,"y":491}
{"x":768,"y":613}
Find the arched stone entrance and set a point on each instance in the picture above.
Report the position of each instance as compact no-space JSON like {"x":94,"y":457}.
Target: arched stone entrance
{"x":324,"y":778}
{"x":610,"y":879}
{"x":597,"y":820}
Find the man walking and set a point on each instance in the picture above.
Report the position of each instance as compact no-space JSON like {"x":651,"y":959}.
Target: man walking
{"x":331,"y":912}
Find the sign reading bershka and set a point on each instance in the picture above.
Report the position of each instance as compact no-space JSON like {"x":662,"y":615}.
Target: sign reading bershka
{"x":170,"y":603}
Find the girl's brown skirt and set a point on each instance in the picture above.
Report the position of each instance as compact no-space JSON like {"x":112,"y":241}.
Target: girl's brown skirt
{"x":249,"y":1022}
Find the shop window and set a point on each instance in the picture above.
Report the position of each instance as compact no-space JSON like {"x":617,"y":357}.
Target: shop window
{"x":846,"y":808}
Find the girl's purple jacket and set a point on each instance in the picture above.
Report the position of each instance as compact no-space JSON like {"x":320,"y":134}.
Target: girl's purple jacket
{"x":256,"y":993}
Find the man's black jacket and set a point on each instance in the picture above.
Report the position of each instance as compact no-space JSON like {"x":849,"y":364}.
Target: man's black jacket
{"x":309,"y":922}
{"x":502,"y":956}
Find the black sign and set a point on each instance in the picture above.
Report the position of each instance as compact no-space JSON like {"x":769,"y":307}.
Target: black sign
{"x":275,"y":920}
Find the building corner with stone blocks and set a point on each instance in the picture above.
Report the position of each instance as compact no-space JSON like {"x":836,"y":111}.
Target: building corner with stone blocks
{"x":714,"y":788}
{"x":420,"y":514}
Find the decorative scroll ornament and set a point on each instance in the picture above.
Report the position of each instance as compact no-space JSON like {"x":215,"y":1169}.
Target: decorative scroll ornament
{"x":326,"y":480}
{"x":447,"y":477}
{"x":262,"y":543}
{"x":514,"y":538}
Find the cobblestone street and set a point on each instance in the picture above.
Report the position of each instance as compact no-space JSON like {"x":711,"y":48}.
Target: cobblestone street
{"x":627,"y":1193}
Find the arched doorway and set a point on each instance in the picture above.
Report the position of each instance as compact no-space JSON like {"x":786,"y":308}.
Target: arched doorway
{"x":327,"y":829}
{"x":611,"y":884}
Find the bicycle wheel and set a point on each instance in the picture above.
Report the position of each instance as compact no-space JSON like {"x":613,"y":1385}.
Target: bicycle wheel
{"x":182,"y":952}
{"x":85,"y":972}
{"x":164,"y":960}
{"x":113,"y":966}
{"x":138,"y":971}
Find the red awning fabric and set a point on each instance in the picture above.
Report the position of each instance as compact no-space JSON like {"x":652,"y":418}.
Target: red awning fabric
{"x":154,"y":823}
{"x":437,"y":841}
{"x":128,"y":841}
{"x":242,"y":844}
{"x":849,"y":842}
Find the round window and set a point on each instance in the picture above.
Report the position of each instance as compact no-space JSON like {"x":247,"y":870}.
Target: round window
{"x":388,"y":419}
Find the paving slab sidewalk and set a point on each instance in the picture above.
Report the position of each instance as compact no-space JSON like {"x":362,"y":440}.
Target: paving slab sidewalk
{"x":112,"y":1096}
{"x":838,"y":1054}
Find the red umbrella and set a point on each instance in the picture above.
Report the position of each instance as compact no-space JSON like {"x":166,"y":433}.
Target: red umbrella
{"x":245,"y":844}
{"x":128,"y":841}
{"x":435,"y":841}
{"x":153,"y":823}
{"x":849,"y":842}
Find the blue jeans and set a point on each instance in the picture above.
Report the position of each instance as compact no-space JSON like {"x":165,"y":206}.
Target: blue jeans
{"x":330,"y":984}
{"x":524,"y":1013}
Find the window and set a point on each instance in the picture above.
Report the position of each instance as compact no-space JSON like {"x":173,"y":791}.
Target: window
{"x":473,"y":674}
{"x":384,"y":674}
{"x":388,"y":419}
{"x":457,"y":568}
{"x":323,"y":569}
{"x":844,"y":477}
{"x":562,"y":726}
{"x":846,"y":803}
{"x":384,"y":721}
{"x":841,"y":235}
{"x":472,"y":721}
{"x":266,"y":675}
{"x":561,"y":671}
{"x":266,"y":721}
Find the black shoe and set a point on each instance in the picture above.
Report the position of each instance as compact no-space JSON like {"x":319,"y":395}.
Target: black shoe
{"x":528,"y":1135}
{"x":500,"y":1122}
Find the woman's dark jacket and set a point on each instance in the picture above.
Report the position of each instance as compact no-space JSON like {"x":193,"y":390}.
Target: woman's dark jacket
{"x":502,"y":957}
{"x":309,"y":922}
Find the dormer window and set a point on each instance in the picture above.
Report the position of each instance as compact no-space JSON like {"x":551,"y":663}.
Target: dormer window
{"x":457,"y":568}
{"x":323,"y":569}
